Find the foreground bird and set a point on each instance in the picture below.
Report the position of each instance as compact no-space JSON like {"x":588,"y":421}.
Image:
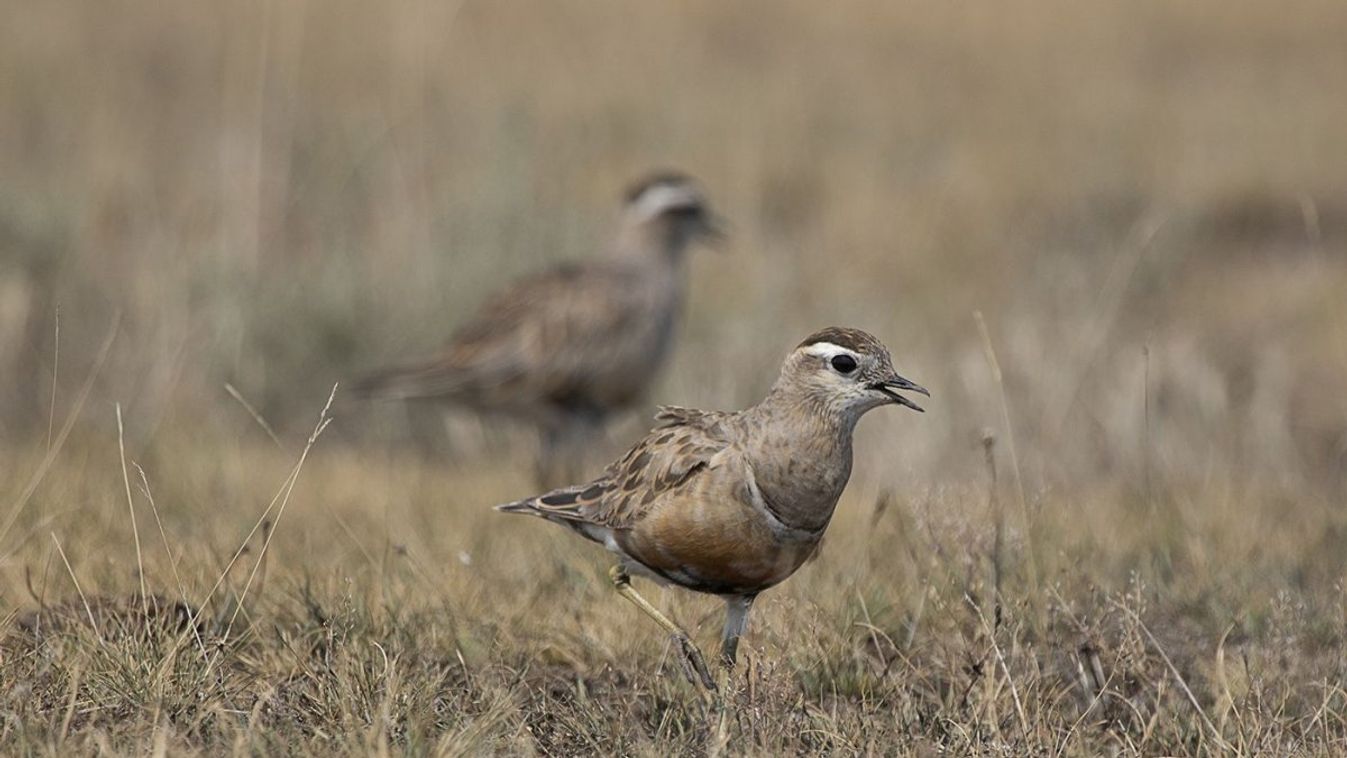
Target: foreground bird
{"x":566,"y":348}
{"x":731,"y":504}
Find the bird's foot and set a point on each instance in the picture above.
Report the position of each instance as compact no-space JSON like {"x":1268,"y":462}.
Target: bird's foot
{"x":694,"y":665}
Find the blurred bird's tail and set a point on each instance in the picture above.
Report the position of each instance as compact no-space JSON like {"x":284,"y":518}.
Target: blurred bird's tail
{"x":406,"y":383}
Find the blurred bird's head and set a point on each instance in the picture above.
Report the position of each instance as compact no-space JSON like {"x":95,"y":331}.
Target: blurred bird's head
{"x":844,"y":372}
{"x":669,"y":210}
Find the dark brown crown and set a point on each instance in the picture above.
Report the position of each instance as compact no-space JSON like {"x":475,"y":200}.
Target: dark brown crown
{"x":851,"y":339}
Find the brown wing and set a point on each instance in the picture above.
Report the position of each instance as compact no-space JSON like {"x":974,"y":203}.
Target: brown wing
{"x":537,"y":339}
{"x":681,"y":444}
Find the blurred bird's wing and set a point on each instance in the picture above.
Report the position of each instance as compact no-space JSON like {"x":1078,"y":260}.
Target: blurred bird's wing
{"x":682,"y":444}
{"x":533,"y":340}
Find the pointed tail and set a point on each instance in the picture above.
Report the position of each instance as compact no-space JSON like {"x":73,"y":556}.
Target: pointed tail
{"x":563,"y":504}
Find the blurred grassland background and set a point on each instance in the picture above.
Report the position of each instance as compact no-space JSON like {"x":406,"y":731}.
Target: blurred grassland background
{"x":1147,"y":202}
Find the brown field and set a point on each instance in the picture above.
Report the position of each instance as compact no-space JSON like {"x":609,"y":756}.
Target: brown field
{"x":252,"y":201}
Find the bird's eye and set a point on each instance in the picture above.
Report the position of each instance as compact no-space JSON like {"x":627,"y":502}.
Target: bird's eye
{"x":844,"y":364}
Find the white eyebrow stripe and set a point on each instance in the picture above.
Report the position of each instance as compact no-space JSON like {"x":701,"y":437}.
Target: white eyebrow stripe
{"x":828,"y":350}
{"x":660,"y":198}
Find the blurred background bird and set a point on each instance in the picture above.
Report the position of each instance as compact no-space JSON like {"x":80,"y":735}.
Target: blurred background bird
{"x":566,"y":348}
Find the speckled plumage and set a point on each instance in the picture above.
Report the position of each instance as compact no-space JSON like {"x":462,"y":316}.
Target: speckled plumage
{"x":733,"y":503}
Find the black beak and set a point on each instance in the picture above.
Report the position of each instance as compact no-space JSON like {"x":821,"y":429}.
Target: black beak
{"x":891,"y":386}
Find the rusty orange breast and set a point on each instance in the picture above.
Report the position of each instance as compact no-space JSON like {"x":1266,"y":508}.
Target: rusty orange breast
{"x":715,"y":547}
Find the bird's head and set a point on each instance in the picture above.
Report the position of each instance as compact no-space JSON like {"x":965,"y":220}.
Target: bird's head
{"x":669,"y":209}
{"x":847,"y":372}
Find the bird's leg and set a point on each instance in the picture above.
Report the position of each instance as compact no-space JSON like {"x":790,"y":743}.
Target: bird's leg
{"x":690,"y":652}
{"x":426,"y":426}
{"x":736,"y":621}
{"x":566,"y":441}
{"x":551,"y":472}
{"x":584,"y":429}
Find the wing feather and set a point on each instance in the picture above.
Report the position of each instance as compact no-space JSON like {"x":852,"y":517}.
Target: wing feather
{"x":680,"y":446}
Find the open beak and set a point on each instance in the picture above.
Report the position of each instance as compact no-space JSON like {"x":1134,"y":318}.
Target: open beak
{"x":891,"y":386}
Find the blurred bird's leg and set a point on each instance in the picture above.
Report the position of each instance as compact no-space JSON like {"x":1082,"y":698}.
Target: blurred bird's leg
{"x":567,"y":440}
{"x":551,"y":470}
{"x":426,"y":427}
{"x":693,"y":661}
{"x":585,"y":436}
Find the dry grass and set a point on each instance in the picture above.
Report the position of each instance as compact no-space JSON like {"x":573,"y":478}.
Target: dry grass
{"x":1143,"y":200}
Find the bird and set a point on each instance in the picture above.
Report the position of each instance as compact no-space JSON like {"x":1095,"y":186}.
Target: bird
{"x":732,"y":503}
{"x":567,"y":348}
